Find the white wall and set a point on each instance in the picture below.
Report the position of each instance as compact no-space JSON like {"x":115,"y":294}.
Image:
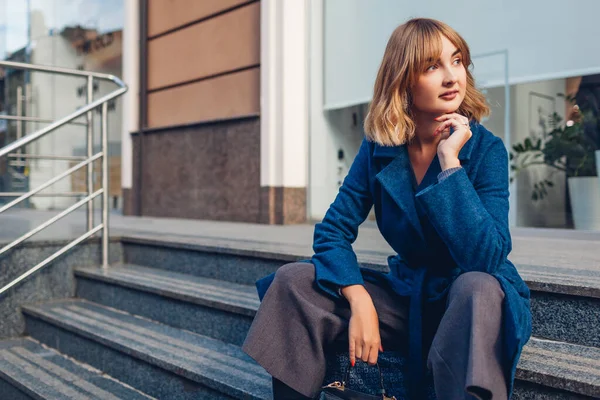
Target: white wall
{"x":330,"y":131}
{"x":131,"y":99}
{"x":284,"y":93}
{"x":546,"y":39}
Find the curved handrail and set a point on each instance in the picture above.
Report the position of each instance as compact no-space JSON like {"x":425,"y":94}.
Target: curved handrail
{"x":89,"y":107}
{"x":7,"y":150}
{"x":62,"y":71}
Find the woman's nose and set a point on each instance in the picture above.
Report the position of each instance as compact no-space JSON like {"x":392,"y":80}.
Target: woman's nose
{"x":449,"y":79}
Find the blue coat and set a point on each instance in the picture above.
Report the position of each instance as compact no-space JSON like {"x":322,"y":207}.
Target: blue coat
{"x":438,"y":229}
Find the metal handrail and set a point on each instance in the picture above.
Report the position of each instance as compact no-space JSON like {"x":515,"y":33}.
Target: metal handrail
{"x":47,"y":157}
{"x":85,"y":162}
{"x":25,"y":140}
{"x":35,"y":119}
{"x":54,"y":194}
{"x":52,"y":181}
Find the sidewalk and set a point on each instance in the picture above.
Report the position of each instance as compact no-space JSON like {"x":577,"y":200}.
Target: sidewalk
{"x":541,"y":247}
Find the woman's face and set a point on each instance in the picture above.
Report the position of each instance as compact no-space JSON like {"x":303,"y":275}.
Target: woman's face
{"x":441,"y":88}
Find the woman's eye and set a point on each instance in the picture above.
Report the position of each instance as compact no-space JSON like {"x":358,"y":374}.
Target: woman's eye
{"x":431,"y":67}
{"x":457,"y":61}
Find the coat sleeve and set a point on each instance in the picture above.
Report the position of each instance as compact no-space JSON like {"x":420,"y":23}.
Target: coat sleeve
{"x":472,"y":218}
{"x":334,"y":259}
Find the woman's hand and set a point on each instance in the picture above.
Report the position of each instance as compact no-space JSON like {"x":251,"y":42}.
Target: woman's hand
{"x":363,"y":329}
{"x":450,"y":145}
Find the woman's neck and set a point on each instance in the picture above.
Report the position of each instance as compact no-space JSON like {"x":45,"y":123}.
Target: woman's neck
{"x":424,"y":141}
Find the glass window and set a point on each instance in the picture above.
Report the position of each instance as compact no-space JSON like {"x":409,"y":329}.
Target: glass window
{"x":76,"y":34}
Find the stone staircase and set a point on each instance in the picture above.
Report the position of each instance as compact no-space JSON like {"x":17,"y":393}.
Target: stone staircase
{"x":168,"y":322}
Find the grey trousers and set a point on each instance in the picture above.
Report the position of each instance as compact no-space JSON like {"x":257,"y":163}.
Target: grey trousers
{"x":297,"y":323}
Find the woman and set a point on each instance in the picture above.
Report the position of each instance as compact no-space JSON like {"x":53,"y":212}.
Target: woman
{"x":439,"y":183}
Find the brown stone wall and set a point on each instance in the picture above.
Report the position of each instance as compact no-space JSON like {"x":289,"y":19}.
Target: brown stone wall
{"x":199,"y":153}
{"x":282,"y":206}
{"x":202,"y":171}
{"x":203,"y":60}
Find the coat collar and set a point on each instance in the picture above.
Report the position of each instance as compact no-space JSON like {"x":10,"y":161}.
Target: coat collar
{"x":397,"y":177}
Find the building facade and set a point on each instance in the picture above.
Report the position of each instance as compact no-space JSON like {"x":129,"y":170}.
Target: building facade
{"x":252,"y":110}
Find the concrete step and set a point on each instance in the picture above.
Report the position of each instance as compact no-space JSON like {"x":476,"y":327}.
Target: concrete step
{"x":30,"y":371}
{"x":550,"y":373}
{"x":222,"y":260}
{"x":563,"y":366}
{"x":565,"y":302}
{"x":134,"y":349}
{"x":214,"y":308}
{"x":160,"y":360}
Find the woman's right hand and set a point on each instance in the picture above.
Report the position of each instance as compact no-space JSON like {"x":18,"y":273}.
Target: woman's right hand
{"x":363,"y":330}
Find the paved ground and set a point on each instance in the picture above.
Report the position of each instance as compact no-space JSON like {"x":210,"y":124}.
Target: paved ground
{"x":542,"y":247}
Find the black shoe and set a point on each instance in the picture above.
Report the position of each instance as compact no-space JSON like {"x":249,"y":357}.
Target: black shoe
{"x":281,"y":391}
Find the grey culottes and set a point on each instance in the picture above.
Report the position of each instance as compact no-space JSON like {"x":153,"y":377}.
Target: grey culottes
{"x":297,"y":323}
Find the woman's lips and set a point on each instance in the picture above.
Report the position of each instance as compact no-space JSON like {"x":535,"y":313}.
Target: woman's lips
{"x":450,"y":95}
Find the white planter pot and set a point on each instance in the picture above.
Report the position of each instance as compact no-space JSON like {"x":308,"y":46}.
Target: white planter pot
{"x":584,"y":193}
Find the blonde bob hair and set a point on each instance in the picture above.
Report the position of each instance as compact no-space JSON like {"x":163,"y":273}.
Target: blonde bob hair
{"x":410,"y":50}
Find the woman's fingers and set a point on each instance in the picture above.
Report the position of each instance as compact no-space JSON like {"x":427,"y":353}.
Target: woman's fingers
{"x":363,"y":333}
{"x":444,"y":127}
{"x":359,"y":351}
{"x":364,"y":352}
{"x":352,"y":352}
{"x":373,"y":354}
{"x":452,"y":119}
{"x":461,"y":118}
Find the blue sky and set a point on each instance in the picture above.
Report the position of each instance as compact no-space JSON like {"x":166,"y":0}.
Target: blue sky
{"x":104,"y":15}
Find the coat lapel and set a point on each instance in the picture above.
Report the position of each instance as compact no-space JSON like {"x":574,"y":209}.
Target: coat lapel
{"x":397,"y":180}
{"x":397,"y":177}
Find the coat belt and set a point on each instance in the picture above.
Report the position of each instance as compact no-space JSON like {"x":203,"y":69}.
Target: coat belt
{"x":415,"y":336}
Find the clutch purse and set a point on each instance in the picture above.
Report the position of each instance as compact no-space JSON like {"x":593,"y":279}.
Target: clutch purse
{"x":338,"y":391}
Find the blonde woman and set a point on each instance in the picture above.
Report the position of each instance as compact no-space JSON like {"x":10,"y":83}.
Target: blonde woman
{"x":439,"y":183}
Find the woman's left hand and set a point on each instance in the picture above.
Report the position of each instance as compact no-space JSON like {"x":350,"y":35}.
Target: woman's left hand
{"x":450,"y":145}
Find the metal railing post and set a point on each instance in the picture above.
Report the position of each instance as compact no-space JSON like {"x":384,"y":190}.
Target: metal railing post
{"x":15,"y":150}
{"x":105,"y":185}
{"x":19,"y":114}
{"x":90,"y":143}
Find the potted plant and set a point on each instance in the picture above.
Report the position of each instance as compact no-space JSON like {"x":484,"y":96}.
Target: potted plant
{"x":569,"y":148}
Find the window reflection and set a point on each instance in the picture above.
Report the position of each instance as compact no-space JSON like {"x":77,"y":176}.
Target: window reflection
{"x":76,"y":34}
{"x":555,"y":133}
